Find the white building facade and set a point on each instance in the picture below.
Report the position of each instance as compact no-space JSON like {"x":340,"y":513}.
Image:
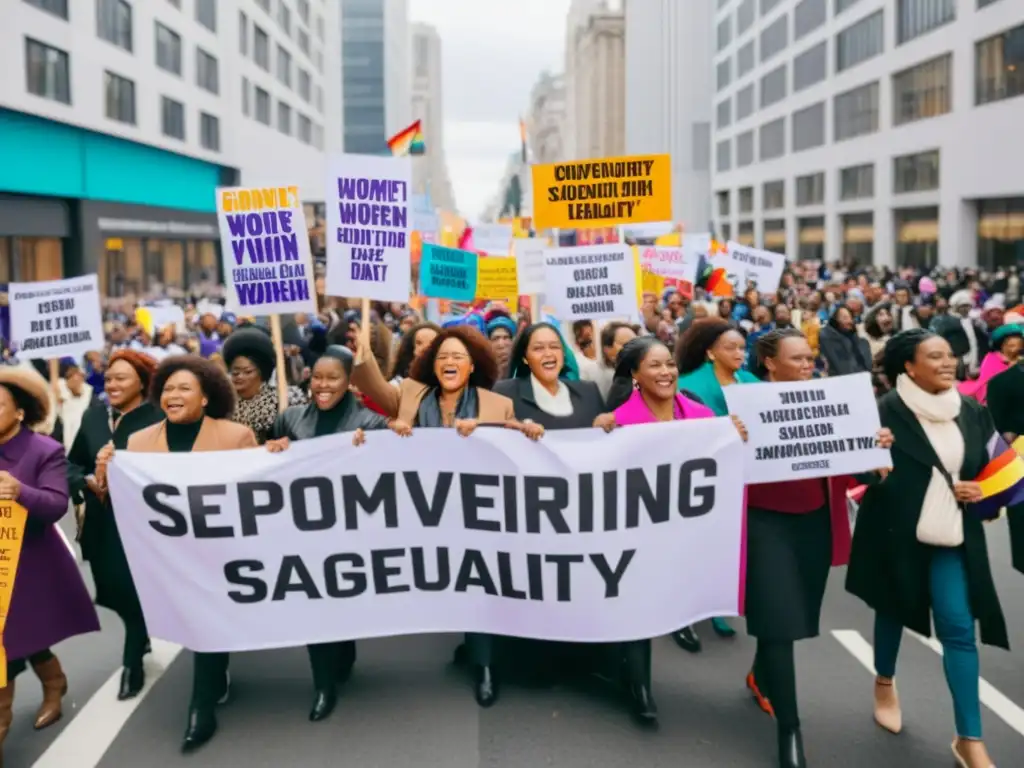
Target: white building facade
{"x":119,"y":119}
{"x":875,"y":131}
{"x":545,"y":124}
{"x":598,"y":58}
{"x":430,"y":171}
{"x":669,"y":97}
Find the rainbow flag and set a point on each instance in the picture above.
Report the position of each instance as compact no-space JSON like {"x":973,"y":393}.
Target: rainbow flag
{"x":1002,"y":479}
{"x":408,"y":141}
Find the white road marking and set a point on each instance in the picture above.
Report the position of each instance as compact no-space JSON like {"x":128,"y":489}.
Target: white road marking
{"x":999,"y":703}
{"x":85,"y":740}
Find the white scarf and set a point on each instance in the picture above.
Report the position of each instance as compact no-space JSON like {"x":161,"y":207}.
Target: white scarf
{"x":944,"y":406}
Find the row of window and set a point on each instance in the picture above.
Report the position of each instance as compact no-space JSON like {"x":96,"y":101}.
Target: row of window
{"x":172,"y":120}
{"x":256,"y":103}
{"x":260,"y":44}
{"x":169,"y":59}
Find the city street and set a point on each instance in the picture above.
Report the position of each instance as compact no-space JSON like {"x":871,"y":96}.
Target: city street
{"x":406,"y":706}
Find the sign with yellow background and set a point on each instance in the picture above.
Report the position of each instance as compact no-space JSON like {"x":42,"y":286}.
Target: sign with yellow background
{"x":496,"y":280}
{"x":12,"y":529}
{"x":602,"y":193}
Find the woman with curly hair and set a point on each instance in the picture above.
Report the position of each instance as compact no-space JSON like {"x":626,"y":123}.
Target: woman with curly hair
{"x":197,"y":400}
{"x":413,"y":342}
{"x":449,"y":386}
{"x":126,"y":383}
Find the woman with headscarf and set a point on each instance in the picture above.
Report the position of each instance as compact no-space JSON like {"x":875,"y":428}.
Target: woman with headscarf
{"x":250,"y":358}
{"x":919,"y":554}
{"x":333,"y":410}
{"x":1006,"y":344}
{"x":49,"y":602}
{"x":644,"y":391}
{"x":413,"y":342}
{"x":501,"y":329}
{"x":449,"y":385}
{"x":796,"y":532}
{"x":126,"y":411}
{"x":844,"y":351}
{"x":196,"y":399}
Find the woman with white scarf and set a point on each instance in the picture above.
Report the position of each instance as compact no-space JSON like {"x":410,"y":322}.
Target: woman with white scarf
{"x":918,"y":552}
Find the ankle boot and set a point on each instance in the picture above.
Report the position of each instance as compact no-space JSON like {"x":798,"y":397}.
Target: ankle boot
{"x":791,"y":749}
{"x":55,"y":686}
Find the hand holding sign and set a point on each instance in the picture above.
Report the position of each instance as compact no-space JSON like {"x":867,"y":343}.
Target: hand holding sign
{"x":10,"y":488}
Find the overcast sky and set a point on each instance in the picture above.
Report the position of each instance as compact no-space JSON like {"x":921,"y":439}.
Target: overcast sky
{"x":491,"y":59}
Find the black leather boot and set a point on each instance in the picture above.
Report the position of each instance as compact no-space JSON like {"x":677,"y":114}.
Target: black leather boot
{"x":791,"y":749}
{"x":641,"y":704}
{"x":133,"y":679}
{"x":686,"y":638}
{"x":486,"y":686}
{"x":323,"y":705}
{"x":202,"y":724}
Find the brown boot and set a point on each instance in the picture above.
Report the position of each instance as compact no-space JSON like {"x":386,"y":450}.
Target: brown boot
{"x":55,"y":685}
{"x":6,"y":713}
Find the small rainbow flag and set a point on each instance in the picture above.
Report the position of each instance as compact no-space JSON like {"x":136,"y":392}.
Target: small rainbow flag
{"x":713,"y":279}
{"x":408,"y":141}
{"x":1002,"y":479}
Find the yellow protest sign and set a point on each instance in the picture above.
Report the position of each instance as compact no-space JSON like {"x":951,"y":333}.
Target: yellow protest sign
{"x":602,"y":193}
{"x":12,"y":529}
{"x":496,"y":280}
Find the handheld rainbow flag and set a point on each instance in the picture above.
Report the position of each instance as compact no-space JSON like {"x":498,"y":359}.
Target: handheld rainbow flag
{"x":1001,"y":481}
{"x":408,"y":141}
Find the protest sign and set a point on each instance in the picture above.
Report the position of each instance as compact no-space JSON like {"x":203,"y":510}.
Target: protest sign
{"x":12,"y":530}
{"x":529,"y":254}
{"x":582,"y":536}
{"x":806,"y":429}
{"x":368,"y":227}
{"x":646,"y":233}
{"x":745,"y":265}
{"x":493,"y":239}
{"x":153,"y":319}
{"x":496,"y":280}
{"x":268,"y":266}
{"x":591,"y":282}
{"x":602,"y":193}
{"x":448,"y":273}
{"x":673,"y":263}
{"x":56,"y":318}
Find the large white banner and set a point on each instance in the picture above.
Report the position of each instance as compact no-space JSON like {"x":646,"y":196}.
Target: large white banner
{"x":583,"y":536}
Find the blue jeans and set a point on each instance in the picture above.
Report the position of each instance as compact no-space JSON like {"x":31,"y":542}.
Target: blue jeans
{"x":954,"y":627}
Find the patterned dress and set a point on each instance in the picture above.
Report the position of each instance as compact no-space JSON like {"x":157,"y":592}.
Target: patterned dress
{"x":260,"y":412}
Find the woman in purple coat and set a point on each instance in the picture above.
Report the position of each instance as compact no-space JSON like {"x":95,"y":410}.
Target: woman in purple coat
{"x":50,"y":602}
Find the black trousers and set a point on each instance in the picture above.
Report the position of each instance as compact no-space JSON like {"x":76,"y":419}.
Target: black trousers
{"x":329,"y":661}
{"x":136,"y":640}
{"x":636,"y":659}
{"x":479,"y":649}
{"x":16,"y":666}
{"x":775,"y":673}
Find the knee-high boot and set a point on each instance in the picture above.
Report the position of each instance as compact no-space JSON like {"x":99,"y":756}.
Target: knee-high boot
{"x":55,"y":686}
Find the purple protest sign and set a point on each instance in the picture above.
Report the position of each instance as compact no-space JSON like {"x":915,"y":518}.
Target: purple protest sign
{"x":268,"y":267}
{"x":368,"y":227}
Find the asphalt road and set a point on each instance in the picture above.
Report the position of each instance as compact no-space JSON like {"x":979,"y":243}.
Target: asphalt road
{"x":407,"y":707}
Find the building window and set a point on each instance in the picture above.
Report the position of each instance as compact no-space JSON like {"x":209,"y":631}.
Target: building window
{"x":303,"y":8}
{"x":284,"y":118}
{"x":723,"y":71}
{"x":768,"y":5}
{"x":320,"y":99}
{"x":304,"y":85}
{"x":773,"y":86}
{"x":302,"y":36}
{"x":305,"y":127}
{"x":916,"y":173}
{"x":724,"y":32}
{"x":209,"y":132}
{"x":264,"y":4}
{"x":261,"y":47}
{"x":1000,"y":233}
{"x":917,"y":237}
{"x":320,"y":28}
{"x":206,"y":71}
{"x":774,"y":38}
{"x":857,"y":182}
{"x":262,"y":106}
{"x":744,"y":149}
{"x":243,"y":34}
{"x":981,"y":3}
{"x":284,"y":18}
{"x":774,"y":238}
{"x":745,"y":102}
{"x":745,"y":235}
{"x":842,"y":5}
{"x":206,"y":14}
{"x":809,"y":127}
{"x":120,"y":93}
{"x":810,"y":189}
{"x":723,"y":155}
{"x":861,"y":41}
{"x":114,"y":22}
{"x":56,"y":7}
{"x":47,"y":71}
{"x":284,"y":66}
{"x":855,"y":113}
{"x":808,"y":16}
{"x":773,"y":195}
{"x":168,"y":49}
{"x":744,"y":16}
{"x":918,"y":17}
{"x":723,"y":202}
{"x":1000,"y":66}
{"x":246,"y":107}
{"x":746,"y":203}
{"x":922,"y":91}
{"x":723,"y":113}
{"x":858,"y":238}
{"x":745,"y":59}
{"x":811,"y":66}
{"x":172,"y":118}
{"x":811,"y":238}
{"x":772,"y":139}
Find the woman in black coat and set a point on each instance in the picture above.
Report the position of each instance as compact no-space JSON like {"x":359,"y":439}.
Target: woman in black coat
{"x":843,"y":349}
{"x":918,"y":552}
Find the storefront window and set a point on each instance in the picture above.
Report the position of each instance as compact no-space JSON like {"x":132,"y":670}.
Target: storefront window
{"x":30,"y":259}
{"x":1000,"y":232}
{"x":858,"y":238}
{"x":174,"y":266}
{"x":137,"y":267}
{"x":917,"y":237}
{"x":811,"y":231}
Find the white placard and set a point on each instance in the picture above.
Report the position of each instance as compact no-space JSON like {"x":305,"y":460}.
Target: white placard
{"x":492,"y":239}
{"x":492,"y":533}
{"x":805,"y":429}
{"x":369,"y":223}
{"x":668,"y":261}
{"x":529,"y":253}
{"x":591,"y":282}
{"x":56,"y":318}
{"x":744,"y":264}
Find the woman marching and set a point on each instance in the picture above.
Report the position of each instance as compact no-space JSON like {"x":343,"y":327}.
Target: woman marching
{"x":917,"y":554}
{"x":50,"y":602}
{"x":413,"y":343}
{"x":644,"y":391}
{"x":126,"y":383}
{"x":196,"y":398}
{"x":448,"y":386}
{"x":334,"y":410}
{"x":796,"y":531}
{"x":710,"y":356}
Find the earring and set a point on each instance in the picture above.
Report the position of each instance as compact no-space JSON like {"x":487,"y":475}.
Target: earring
{"x":636,"y":384}
{"x":205,"y":403}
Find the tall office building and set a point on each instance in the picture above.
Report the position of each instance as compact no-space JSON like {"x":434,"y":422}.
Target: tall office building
{"x":882,"y":131}
{"x":669,"y":89}
{"x":430,"y":171}
{"x":119,"y":119}
{"x":596,"y":68}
